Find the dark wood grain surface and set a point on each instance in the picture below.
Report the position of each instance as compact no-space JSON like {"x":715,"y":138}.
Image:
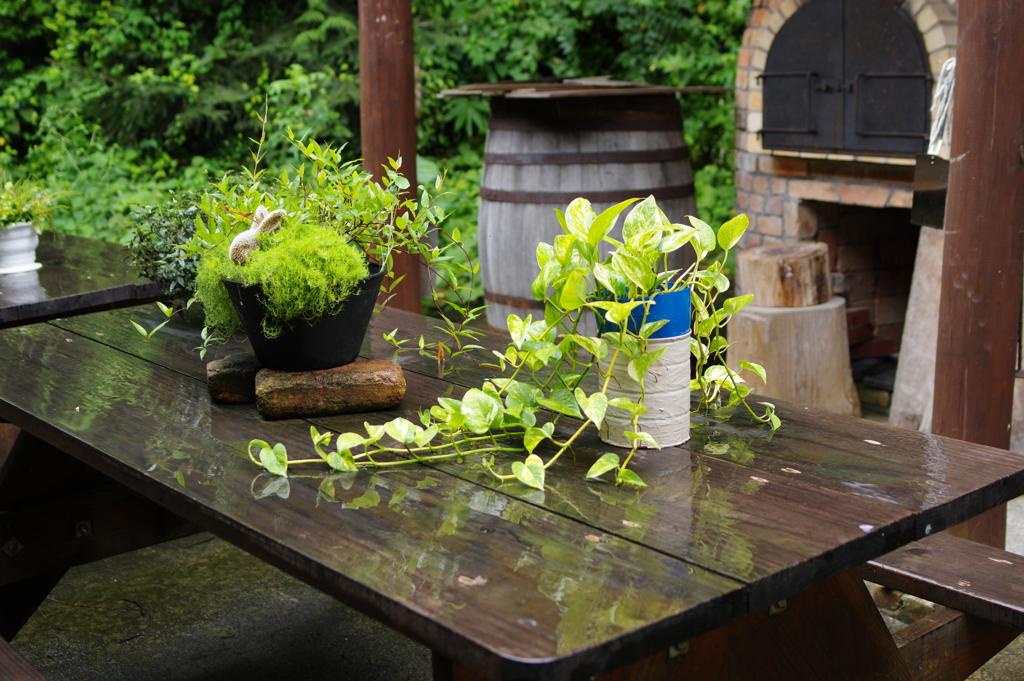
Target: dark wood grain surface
{"x":973,"y":578}
{"x":13,"y":667}
{"x":585,"y":576}
{"x":78,"y":276}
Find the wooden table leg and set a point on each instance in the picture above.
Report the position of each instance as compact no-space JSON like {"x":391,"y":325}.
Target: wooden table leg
{"x":8,"y":434}
{"x":830,"y":632}
{"x":20,"y":600}
{"x":55,"y":513}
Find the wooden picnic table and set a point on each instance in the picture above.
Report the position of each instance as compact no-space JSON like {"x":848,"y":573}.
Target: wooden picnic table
{"x":78,"y":275}
{"x":736,"y":562}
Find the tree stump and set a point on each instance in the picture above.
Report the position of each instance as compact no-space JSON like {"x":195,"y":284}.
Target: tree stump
{"x":364,"y":385}
{"x":804,"y":351}
{"x":792,"y":274}
{"x":796,"y":330}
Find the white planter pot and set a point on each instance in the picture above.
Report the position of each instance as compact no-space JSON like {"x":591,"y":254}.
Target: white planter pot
{"x":18,"y":248}
{"x":667,"y":397}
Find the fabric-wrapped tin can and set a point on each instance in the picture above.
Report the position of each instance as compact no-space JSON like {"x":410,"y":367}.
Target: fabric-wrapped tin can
{"x":667,"y":396}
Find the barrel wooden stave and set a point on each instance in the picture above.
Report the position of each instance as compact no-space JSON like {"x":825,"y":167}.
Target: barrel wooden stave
{"x":509,"y":231}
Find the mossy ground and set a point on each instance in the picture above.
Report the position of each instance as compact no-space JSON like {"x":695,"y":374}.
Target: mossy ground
{"x":208,"y":611}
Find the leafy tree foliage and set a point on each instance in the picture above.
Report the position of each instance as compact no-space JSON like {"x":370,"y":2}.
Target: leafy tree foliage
{"x":119,"y":101}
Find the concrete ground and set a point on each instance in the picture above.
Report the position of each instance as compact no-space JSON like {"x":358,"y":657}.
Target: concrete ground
{"x":198,"y":608}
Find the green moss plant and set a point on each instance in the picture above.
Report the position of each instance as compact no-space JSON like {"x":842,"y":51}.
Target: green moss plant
{"x":306,"y":270}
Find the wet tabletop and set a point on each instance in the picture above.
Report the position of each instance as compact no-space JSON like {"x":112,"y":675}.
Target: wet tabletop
{"x":77,"y":275}
{"x":581,"y":577}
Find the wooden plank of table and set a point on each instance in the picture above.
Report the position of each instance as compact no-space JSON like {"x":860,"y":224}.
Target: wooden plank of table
{"x":14,"y":667}
{"x":773,"y":531}
{"x":842,"y":454}
{"x":495,"y":584}
{"x":78,"y":275}
{"x":815,"y":500}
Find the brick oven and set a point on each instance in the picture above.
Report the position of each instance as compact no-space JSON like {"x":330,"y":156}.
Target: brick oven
{"x":832,"y":102}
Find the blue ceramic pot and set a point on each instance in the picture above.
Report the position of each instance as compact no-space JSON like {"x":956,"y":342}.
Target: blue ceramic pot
{"x":675,"y":307}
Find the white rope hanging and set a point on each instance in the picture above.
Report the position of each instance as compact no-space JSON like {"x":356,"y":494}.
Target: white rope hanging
{"x":942,"y":110}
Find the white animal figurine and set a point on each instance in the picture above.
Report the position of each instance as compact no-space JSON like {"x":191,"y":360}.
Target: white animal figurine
{"x":263,"y":221}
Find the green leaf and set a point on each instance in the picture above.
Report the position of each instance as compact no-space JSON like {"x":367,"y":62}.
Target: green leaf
{"x":560,"y":216}
{"x":731,"y":232}
{"x":261,"y":444}
{"x":635,"y":270}
{"x":530,"y":472}
{"x":561,"y":401}
{"x":645,"y":217}
{"x":341,"y":461}
{"x":520,"y":396}
{"x":716,"y":373}
{"x":606,"y":463}
{"x":756,"y":368}
{"x":168,"y":311}
{"x":734,"y":305}
{"x":517,"y":329}
{"x":574,"y":292}
{"x":604,"y":222}
{"x":579,"y":216}
{"x":617,"y":312}
{"x":676,"y":240}
{"x":424,"y":437}
{"x":630,"y":478}
{"x":349,"y":440}
{"x":275,"y":459}
{"x":533,"y":437}
{"x":139,"y":328}
{"x":639,"y":365}
{"x":650,"y":327}
{"x":631,"y":407}
{"x":642,"y":437}
{"x":481,"y":410}
{"x":369,"y":499}
{"x":402,"y":430}
{"x":718,"y":343}
{"x":595,"y":346}
{"x":594,"y":406}
{"x":706,"y":238}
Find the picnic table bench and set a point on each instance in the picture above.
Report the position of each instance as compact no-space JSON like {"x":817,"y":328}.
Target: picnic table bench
{"x":739,"y":560}
{"x":77,"y":276}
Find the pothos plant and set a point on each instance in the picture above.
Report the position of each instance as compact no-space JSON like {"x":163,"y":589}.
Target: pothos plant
{"x":551,"y":373}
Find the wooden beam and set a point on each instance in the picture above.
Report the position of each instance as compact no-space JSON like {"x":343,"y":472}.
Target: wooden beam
{"x":982,"y":261}
{"x":388,"y":111}
{"x":14,"y":667}
{"x":948,"y":645}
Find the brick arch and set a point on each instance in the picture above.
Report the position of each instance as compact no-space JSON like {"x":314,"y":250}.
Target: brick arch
{"x":935,"y":19}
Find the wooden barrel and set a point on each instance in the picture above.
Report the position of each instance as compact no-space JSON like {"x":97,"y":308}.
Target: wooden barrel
{"x":541,"y":154}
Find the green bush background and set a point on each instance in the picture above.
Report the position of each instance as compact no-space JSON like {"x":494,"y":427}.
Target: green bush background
{"x":119,"y":101}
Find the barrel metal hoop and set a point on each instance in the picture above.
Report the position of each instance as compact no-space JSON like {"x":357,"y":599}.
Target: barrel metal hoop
{"x":513,"y":301}
{"x":681,"y":191}
{"x":641,"y":123}
{"x":579,"y":158}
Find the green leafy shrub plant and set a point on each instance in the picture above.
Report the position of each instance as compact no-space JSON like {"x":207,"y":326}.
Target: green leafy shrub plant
{"x":553,"y":388}
{"x":159,"y":235}
{"x":25,"y":201}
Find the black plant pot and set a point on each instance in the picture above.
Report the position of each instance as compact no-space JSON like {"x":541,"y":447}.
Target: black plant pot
{"x":330,"y":341}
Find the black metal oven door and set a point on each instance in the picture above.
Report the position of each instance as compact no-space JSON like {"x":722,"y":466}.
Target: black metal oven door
{"x":847,"y":76}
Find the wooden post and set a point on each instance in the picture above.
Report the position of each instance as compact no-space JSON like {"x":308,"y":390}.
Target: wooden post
{"x":388,"y":110}
{"x":979,"y":316}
